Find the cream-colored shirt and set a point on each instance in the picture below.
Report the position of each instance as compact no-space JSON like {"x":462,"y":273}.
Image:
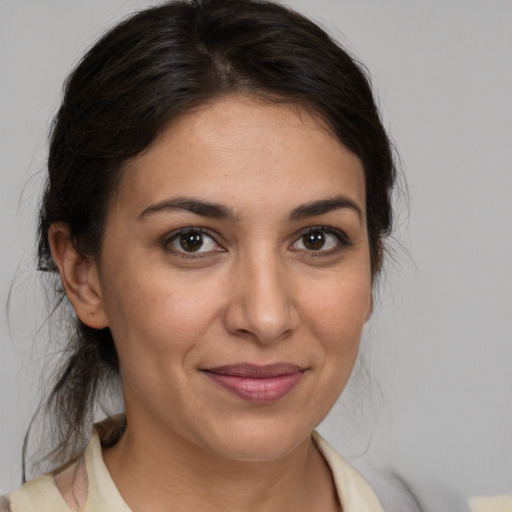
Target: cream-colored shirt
{"x":500,"y":503}
{"x":43,"y":495}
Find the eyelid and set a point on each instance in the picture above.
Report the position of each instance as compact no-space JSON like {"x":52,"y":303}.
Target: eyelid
{"x":173,"y":235}
{"x":341,"y":236}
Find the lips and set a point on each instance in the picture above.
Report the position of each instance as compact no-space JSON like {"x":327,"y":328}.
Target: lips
{"x":258,"y":384}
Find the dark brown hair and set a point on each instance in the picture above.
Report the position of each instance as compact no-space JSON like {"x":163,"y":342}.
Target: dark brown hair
{"x":140,"y":75}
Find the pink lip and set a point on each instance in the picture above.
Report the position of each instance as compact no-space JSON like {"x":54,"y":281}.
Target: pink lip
{"x":258,"y":384}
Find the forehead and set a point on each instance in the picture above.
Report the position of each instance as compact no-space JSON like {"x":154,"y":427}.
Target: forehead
{"x":244,"y":152}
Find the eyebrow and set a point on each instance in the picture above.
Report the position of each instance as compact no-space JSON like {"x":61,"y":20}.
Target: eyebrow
{"x":218,"y":211}
{"x":197,"y":206}
{"x":323,"y":206}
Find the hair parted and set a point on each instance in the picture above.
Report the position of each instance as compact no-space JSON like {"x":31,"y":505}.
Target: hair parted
{"x":143,"y":73}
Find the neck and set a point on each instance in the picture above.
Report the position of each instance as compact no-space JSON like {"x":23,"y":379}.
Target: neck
{"x":154,"y":471}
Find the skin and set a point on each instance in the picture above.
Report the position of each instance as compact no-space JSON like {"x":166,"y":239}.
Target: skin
{"x":255,"y":292}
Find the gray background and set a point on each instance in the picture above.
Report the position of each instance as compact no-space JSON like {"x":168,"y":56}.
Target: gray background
{"x":438,"y":349}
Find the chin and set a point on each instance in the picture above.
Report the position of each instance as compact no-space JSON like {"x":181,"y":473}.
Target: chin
{"x":258,"y":443}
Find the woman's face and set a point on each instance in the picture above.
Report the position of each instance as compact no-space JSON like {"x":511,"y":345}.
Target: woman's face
{"x":235,"y":278}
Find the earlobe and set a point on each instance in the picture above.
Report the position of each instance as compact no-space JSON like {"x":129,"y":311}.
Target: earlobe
{"x":79,"y":276}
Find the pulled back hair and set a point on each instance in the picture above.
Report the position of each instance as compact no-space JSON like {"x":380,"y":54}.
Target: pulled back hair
{"x":146,"y":71}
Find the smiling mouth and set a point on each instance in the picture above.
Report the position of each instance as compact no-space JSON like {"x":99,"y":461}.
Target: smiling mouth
{"x":257,"y":384}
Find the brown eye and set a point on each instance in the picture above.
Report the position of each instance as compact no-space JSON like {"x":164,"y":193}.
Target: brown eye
{"x":322,"y":240}
{"x":191,"y":242}
{"x":314,"y":240}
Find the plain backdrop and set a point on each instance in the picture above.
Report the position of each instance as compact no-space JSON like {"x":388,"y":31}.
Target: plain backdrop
{"x":438,"y":403}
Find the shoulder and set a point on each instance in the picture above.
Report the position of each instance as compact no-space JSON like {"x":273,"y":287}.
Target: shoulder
{"x":4,"y":504}
{"x":354,"y":492}
{"x":38,"y":495}
{"x":500,"y":503}
{"x":83,"y":484}
{"x":386,"y":491}
{"x":398,"y":492}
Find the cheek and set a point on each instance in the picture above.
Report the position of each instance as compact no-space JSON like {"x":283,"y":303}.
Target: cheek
{"x":337,"y":317}
{"x":342,"y":305}
{"x":150,"y":313}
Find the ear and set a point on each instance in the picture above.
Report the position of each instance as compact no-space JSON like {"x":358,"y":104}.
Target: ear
{"x":79,"y":276}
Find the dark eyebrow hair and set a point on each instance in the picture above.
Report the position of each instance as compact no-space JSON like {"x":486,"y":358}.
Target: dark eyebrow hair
{"x":197,"y":206}
{"x":324,"y":206}
{"x":218,"y":211}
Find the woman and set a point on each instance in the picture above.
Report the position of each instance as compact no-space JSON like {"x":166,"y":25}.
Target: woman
{"x":216,"y":208}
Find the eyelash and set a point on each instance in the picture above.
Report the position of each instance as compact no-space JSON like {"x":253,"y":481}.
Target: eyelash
{"x":175,"y":235}
{"x":341,"y":237}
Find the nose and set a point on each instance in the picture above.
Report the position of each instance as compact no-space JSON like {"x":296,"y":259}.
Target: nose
{"x":262,"y":303}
